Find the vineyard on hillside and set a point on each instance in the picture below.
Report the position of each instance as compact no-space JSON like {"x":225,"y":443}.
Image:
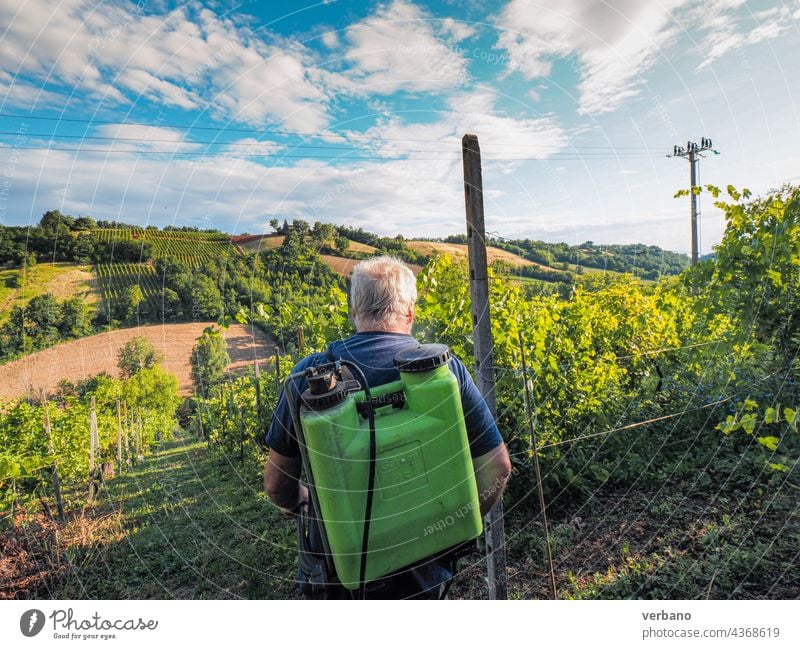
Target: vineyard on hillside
{"x":665,"y":417}
{"x":117,"y":279}
{"x":191,"y":248}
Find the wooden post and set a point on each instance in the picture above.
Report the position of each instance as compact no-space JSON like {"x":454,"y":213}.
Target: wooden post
{"x":537,"y":469}
{"x":482,"y":336}
{"x":128,"y":462}
{"x":92,"y":438}
{"x":56,"y":481}
{"x":119,"y":438}
{"x":277,"y":376}
{"x":241,"y":436}
{"x":301,"y":338}
{"x":140,"y":434}
{"x":257,"y":374}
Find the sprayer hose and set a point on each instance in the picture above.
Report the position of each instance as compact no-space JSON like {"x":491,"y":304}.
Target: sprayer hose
{"x":371,"y":475}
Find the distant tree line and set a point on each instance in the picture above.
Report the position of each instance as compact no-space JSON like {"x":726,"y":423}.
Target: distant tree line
{"x":61,"y":237}
{"x":647,"y":262}
{"x":43,"y":322}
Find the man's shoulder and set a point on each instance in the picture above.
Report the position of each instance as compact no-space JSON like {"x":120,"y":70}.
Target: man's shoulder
{"x":315,"y":358}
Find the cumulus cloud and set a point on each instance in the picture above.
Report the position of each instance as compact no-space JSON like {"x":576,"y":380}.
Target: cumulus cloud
{"x":457,"y":30}
{"x":189,"y":57}
{"x":728,"y":27}
{"x":614,"y":43}
{"x":400,"y":47}
{"x":414,"y":185}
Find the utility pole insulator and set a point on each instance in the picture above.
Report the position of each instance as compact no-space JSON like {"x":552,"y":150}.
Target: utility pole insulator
{"x":692,"y":153}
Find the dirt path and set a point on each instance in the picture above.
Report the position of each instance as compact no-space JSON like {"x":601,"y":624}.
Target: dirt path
{"x":86,"y":357}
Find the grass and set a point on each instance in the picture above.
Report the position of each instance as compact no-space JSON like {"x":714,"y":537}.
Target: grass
{"x":62,"y":279}
{"x":191,"y":525}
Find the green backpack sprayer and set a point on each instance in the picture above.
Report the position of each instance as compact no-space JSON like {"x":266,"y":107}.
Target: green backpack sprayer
{"x":388,"y":467}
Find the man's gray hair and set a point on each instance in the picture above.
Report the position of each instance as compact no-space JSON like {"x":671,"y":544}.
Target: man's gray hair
{"x":382,"y":292}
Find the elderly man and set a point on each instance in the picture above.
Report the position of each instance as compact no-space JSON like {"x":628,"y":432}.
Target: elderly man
{"x":382,"y":297}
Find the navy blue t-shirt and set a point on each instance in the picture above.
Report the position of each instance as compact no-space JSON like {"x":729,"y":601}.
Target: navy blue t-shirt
{"x":374,"y":353}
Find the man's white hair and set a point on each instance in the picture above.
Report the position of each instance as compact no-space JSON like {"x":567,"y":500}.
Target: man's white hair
{"x":382,"y":292}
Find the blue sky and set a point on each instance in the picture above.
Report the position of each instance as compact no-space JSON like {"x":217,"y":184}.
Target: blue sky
{"x":228,"y":115}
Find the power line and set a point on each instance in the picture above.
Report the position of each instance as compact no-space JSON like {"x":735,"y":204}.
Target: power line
{"x":114,"y":138}
{"x":319,"y":134}
{"x":245,"y":154}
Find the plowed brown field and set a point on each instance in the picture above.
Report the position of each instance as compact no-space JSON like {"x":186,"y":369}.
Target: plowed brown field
{"x":79,"y":359}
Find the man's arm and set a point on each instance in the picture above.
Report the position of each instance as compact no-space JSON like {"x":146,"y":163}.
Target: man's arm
{"x":282,"y":481}
{"x":492,"y":471}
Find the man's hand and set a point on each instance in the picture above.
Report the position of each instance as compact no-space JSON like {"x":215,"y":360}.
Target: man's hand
{"x":492,"y":471}
{"x":302,"y":492}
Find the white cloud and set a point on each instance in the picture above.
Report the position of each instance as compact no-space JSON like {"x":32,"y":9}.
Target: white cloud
{"x":457,"y":30}
{"x":614,"y":42}
{"x":417,"y":194}
{"x":137,"y":136}
{"x":249,"y":146}
{"x":189,"y":57}
{"x":727,"y":28}
{"x":400,"y":47}
{"x":330,"y":39}
{"x":617,"y":41}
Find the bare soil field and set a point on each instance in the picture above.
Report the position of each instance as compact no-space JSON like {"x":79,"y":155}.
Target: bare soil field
{"x":460,"y":250}
{"x":258,"y":242}
{"x":85,"y":357}
{"x":344,"y":266}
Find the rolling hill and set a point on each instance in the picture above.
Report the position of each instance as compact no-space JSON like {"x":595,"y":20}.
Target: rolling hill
{"x":85,"y":357}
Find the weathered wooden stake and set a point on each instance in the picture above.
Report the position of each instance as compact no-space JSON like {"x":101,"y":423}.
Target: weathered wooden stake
{"x":56,"y":481}
{"x":257,"y":374}
{"x":92,"y":438}
{"x":241,"y":435}
{"x":301,"y":338}
{"x":537,"y":469}
{"x":119,"y":438}
{"x":482,"y":336}
{"x":140,"y":435}
{"x":128,"y":462}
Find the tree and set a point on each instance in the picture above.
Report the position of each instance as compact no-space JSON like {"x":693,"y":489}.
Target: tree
{"x":85,"y":223}
{"x":136,"y":355}
{"x":127,"y":307}
{"x":171,"y":305}
{"x":209,"y":360}
{"x":206,"y":300}
{"x":342,"y":243}
{"x":29,"y":260}
{"x":42,"y":317}
{"x":51,"y":220}
{"x":75,"y":319}
{"x":274,"y":224}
